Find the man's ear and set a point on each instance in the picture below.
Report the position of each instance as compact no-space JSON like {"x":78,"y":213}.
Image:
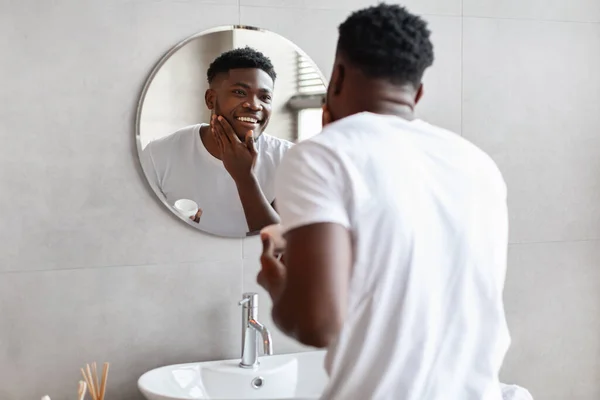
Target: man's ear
{"x":210,"y":97}
{"x":337,"y":78}
{"x":419,"y":94}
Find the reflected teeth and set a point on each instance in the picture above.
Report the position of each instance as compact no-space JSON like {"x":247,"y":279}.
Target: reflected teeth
{"x":247,"y":119}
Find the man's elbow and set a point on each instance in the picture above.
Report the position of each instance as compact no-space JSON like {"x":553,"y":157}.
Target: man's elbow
{"x":306,"y":330}
{"x":319,"y":338}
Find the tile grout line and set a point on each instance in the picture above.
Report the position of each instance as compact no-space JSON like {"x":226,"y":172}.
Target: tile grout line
{"x":531,"y":19}
{"x":95,"y":267}
{"x":554,"y":242}
{"x":462,"y":69}
{"x":340,"y":9}
{"x":461,"y":15}
{"x":242,"y":262}
{"x":181,"y":263}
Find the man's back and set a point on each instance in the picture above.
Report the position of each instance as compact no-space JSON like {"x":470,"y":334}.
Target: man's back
{"x":427,"y":211}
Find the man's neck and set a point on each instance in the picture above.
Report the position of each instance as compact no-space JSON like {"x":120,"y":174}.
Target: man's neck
{"x":398,"y":110}
{"x":379,"y":97}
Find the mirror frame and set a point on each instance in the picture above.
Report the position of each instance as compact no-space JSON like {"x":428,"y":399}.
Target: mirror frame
{"x":156,"y":68}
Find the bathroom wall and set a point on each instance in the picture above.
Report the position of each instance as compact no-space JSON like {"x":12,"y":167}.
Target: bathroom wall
{"x":92,"y":268}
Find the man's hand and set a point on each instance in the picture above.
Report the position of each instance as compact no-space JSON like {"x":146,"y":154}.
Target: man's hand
{"x":275,"y":232}
{"x":309,"y":292}
{"x":272,"y":275}
{"x":196,"y":218}
{"x":238,"y":158}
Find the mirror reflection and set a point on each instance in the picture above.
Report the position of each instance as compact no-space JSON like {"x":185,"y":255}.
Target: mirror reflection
{"x":216,"y":116}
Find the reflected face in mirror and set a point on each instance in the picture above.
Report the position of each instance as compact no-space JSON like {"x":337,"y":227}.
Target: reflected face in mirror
{"x":244,"y":98}
{"x":197,"y":110}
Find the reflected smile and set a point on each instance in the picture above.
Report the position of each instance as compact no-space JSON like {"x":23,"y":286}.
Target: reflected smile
{"x":249,"y":120}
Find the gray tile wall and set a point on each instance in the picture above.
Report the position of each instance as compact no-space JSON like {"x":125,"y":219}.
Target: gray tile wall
{"x":93,"y":268}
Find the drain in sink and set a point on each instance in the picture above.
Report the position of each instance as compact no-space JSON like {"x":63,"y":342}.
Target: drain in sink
{"x":258,"y":382}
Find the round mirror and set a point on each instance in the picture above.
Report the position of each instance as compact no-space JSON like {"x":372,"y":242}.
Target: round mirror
{"x":215,"y":118}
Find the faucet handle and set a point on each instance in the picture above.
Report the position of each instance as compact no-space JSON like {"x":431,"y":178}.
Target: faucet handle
{"x":249,"y":300}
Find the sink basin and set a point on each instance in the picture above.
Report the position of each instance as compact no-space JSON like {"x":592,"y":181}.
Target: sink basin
{"x":280,"y":377}
{"x":298,"y":376}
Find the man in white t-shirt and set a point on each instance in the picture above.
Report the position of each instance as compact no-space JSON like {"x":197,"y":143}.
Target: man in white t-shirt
{"x":227,"y":166}
{"x":396,"y":232}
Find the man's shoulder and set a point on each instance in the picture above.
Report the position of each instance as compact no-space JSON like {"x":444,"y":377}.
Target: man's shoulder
{"x":271,"y":142}
{"x":184,"y":134}
{"x":318,"y":150}
{"x":273,"y":148}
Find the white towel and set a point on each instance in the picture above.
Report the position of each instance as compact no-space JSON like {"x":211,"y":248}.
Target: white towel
{"x":514,"y":392}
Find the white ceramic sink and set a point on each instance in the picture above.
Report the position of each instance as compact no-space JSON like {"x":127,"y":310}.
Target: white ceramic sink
{"x":280,"y":377}
{"x":299,"y":376}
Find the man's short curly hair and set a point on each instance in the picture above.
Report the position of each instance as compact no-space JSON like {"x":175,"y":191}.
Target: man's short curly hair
{"x":245,"y":57}
{"x":386,"y":41}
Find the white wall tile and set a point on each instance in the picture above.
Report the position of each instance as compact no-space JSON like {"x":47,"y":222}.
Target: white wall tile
{"x":531,"y":95}
{"x":252,"y":248}
{"x":136,"y":318}
{"x":197,"y":2}
{"x":557,"y":10}
{"x":445,"y":7}
{"x":552,"y":305}
{"x":441,"y":103}
{"x":282,"y":344}
{"x":86,"y":217}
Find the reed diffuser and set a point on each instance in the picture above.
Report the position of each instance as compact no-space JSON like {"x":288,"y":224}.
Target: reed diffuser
{"x":96,"y":388}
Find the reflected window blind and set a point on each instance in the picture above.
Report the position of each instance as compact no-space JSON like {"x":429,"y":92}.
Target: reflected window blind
{"x":308,"y":80}
{"x":310,"y":89}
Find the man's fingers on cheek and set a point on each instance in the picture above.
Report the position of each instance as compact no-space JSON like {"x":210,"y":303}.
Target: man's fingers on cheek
{"x":265,"y":260}
{"x":224,"y":123}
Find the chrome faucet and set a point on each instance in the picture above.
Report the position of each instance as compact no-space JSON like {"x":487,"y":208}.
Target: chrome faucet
{"x":250,"y":330}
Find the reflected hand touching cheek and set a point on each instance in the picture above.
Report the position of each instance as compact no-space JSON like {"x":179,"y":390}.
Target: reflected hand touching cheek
{"x":238,"y":157}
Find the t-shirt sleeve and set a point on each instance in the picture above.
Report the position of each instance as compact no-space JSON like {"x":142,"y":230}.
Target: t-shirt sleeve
{"x":311,"y":187}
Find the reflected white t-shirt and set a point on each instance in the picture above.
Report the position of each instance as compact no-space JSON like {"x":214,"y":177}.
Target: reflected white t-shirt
{"x":180,"y":167}
{"x":428,"y":215}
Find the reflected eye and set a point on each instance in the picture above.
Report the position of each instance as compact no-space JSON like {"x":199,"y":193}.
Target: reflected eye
{"x":266,"y":98}
{"x":239,"y":92}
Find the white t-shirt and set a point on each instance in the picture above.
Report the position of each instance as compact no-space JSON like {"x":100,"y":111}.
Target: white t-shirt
{"x":428,"y":215}
{"x":180,"y":167}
